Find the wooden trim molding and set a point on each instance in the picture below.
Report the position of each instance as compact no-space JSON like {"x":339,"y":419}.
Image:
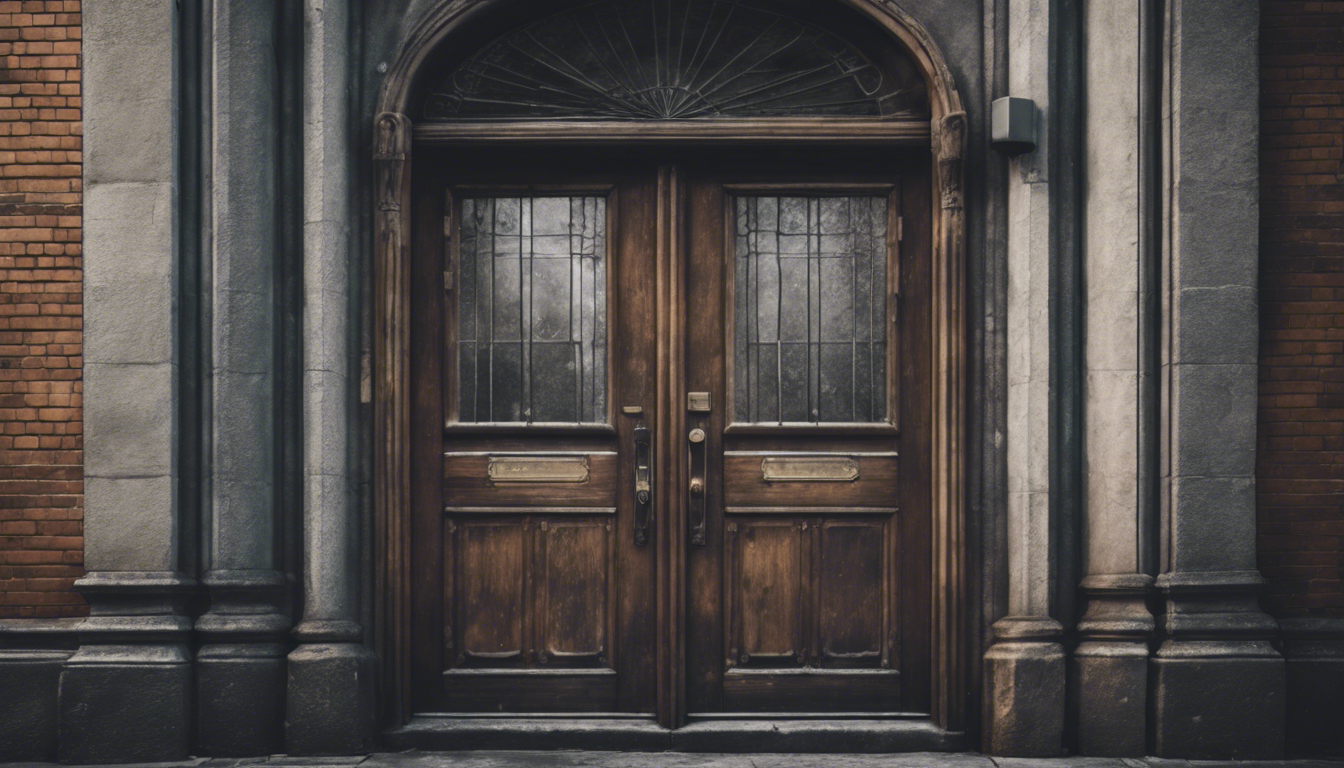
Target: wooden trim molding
{"x":699,"y":131}
{"x":947,"y":131}
{"x":948,"y":646}
{"x":391,"y":465}
{"x":670,"y":451}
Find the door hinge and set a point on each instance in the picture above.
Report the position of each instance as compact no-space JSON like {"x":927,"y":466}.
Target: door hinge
{"x":448,"y":280}
{"x":900,"y":228}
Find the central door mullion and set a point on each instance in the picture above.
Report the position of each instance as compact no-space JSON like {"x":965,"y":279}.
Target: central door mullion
{"x":670,"y":478}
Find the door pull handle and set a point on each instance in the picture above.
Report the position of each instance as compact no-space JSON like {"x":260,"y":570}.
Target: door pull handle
{"x":643,"y":489}
{"x":697,"y":488}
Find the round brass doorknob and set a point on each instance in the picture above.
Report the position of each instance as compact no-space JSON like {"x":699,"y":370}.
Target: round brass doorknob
{"x":697,"y":435}
{"x":697,"y":487}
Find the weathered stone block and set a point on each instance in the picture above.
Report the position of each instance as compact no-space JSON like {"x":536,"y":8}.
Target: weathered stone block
{"x":125,"y":704}
{"x":1218,"y":708}
{"x":1110,"y":688}
{"x":330,"y":707}
{"x":28,"y":682}
{"x":1024,"y":695}
{"x":240,"y":700}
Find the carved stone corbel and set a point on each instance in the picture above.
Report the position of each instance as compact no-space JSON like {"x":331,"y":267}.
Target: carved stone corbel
{"x":391,"y":147}
{"x":949,"y":146}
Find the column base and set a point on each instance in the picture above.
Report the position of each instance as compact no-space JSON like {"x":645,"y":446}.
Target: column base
{"x":125,"y":704}
{"x":1109,"y":680}
{"x":240,"y":667}
{"x":1024,"y":689}
{"x":126,"y":695}
{"x":330,"y":700}
{"x":1207,"y":706}
{"x":1110,"y":684}
{"x":240,"y":700}
{"x":1315,"y":680}
{"x":1219,"y":686}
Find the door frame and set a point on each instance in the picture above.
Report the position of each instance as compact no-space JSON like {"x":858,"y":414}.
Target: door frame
{"x":395,"y":139}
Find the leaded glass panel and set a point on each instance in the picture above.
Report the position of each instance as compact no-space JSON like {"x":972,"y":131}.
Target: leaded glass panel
{"x":810,"y":310}
{"x":532,"y":310}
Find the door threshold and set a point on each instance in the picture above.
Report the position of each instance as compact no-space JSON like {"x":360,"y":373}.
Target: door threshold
{"x":626,"y":734}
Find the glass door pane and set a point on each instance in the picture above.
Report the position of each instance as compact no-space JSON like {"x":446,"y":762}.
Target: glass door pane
{"x":532,"y":314}
{"x":810,"y":310}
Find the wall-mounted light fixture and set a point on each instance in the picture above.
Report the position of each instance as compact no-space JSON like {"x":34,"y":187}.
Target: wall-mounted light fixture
{"x":1012,"y":125}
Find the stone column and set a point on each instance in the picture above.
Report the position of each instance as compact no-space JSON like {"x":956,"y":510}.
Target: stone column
{"x":240,"y":666}
{"x":1024,"y":668}
{"x":1110,"y":665}
{"x":125,"y":695}
{"x":1219,"y":683}
{"x":330,"y":694}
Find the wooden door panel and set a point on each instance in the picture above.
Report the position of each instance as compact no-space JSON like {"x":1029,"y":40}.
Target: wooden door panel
{"x":530,"y":591}
{"x":852,"y":563}
{"x":810,"y":479}
{"x":467,"y":480}
{"x":575,"y":584}
{"x":810,"y":507}
{"x":766,"y":599}
{"x":491,"y":600}
{"x":810,"y":613}
{"x":810,"y":589}
{"x":530,"y":596}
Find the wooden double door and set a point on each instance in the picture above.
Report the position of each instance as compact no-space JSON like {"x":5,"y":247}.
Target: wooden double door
{"x":670,"y":430}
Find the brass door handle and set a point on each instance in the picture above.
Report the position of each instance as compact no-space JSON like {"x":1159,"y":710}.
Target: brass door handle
{"x":643,"y":488}
{"x":696,"y":441}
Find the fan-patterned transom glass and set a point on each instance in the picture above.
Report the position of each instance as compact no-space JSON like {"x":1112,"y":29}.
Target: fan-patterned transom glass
{"x":671,"y":59}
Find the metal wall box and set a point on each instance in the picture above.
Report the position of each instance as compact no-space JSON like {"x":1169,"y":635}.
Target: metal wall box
{"x":1013,"y":125}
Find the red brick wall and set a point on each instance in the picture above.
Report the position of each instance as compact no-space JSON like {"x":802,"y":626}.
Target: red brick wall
{"x":1300,"y":472}
{"x":41,"y":443}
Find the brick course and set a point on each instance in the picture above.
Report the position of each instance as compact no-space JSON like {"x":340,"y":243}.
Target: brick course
{"x":41,"y":286}
{"x":1300,"y":468}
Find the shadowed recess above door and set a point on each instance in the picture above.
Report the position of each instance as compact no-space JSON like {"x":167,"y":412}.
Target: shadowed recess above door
{"x":675,"y":60}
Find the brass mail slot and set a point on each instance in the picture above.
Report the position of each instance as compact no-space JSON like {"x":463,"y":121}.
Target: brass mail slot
{"x":538,"y":469}
{"x":810,"y":469}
